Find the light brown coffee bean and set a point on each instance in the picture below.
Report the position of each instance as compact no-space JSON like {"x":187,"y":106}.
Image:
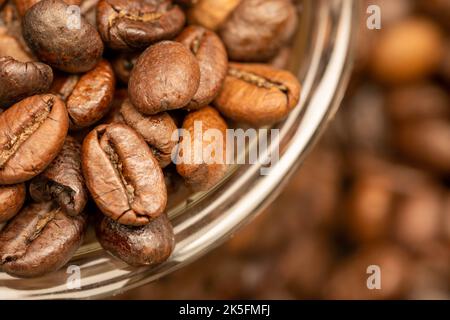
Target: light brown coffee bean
{"x":202,"y":158}
{"x":257,"y":94}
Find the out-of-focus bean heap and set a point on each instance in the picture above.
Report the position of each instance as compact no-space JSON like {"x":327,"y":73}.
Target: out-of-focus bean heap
{"x":376,"y":191}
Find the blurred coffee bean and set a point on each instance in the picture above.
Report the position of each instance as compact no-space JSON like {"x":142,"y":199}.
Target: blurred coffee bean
{"x":350,"y":278}
{"x":11,"y":47}
{"x":257,"y":29}
{"x":418,"y":217}
{"x":24,"y":5}
{"x":407,"y":51}
{"x":439,"y":9}
{"x":370,"y":205}
{"x":211,"y":14}
{"x":19,"y":80}
{"x":134,"y":24}
{"x":418,"y":102}
{"x":11,"y":200}
{"x":305,"y":265}
{"x":426,"y":142}
{"x":445,"y":63}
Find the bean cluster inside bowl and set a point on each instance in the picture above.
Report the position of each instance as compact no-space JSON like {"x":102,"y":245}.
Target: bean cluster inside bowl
{"x":94,"y":97}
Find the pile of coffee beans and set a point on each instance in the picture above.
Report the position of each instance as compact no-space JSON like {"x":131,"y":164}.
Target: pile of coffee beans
{"x":92,"y":95}
{"x":375,"y":193}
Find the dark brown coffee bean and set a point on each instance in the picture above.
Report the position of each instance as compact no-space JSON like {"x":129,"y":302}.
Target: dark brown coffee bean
{"x":147,"y":245}
{"x":123,"y":64}
{"x":136,"y":24}
{"x":165,"y":77}
{"x":48,"y":30}
{"x":257,"y":29}
{"x":63,"y":181}
{"x":159,"y":131}
{"x":281,"y":59}
{"x":122,"y":175}
{"x":19,"y":80}
{"x":24,"y":5}
{"x":11,"y":200}
{"x":203,"y":168}
{"x":39,"y":240}
{"x":212,"y":59}
{"x":91,"y":97}
{"x":257,"y":94}
{"x":32,"y":133}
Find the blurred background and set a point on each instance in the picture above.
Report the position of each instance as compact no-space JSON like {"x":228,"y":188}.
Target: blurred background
{"x":375,"y":191}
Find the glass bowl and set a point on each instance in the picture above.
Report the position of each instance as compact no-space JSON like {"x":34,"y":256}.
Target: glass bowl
{"x":322,"y":58}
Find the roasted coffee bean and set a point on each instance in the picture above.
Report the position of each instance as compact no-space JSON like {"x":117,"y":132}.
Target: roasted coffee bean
{"x":211,"y":14}
{"x":11,"y":200}
{"x":136,"y":24}
{"x":11,"y":47}
{"x":147,"y":245}
{"x":159,"y":131}
{"x":91,"y":96}
{"x":122,"y":175}
{"x":49,"y":33}
{"x":39,"y":240}
{"x":32,"y":133}
{"x":63,"y":181}
{"x":407,"y":51}
{"x":166,"y":76}
{"x":123,"y":64}
{"x":425,"y":142}
{"x":257,"y":94}
{"x":19,"y":80}
{"x":203,"y":168}
{"x":24,"y":5}
{"x":257,"y":29}
{"x":212,"y":59}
